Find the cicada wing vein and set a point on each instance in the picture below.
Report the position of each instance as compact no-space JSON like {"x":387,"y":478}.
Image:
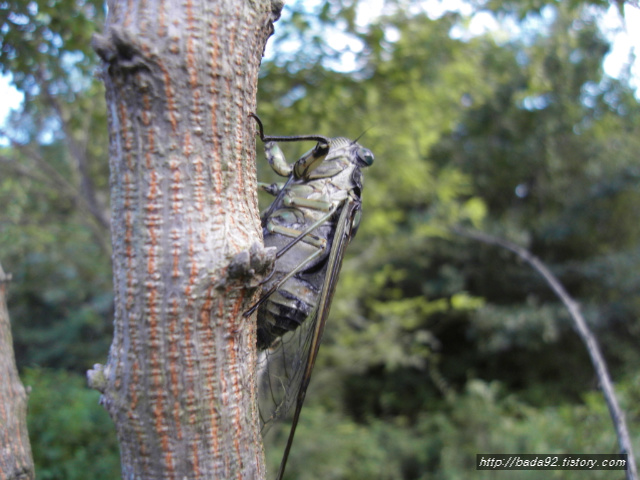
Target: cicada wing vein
{"x":281,"y":370}
{"x":287,"y":367}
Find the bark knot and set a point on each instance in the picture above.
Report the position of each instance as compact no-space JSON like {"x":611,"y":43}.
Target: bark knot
{"x":251,"y":266}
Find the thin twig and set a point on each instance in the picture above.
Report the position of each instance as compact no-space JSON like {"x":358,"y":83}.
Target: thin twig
{"x":87,"y":189}
{"x":600,"y":366}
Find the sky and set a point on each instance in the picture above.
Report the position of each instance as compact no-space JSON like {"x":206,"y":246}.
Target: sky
{"x":623,"y":42}
{"x":10,"y":98}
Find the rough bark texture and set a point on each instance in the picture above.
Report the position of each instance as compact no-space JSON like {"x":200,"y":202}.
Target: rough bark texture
{"x":179,"y":383}
{"x":16,"y":462}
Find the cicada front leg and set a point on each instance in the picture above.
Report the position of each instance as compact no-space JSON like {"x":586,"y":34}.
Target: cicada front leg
{"x":277,"y":160}
{"x":303,"y":167}
{"x":271,"y":188}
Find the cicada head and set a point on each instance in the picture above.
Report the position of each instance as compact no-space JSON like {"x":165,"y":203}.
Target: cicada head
{"x":353,"y":151}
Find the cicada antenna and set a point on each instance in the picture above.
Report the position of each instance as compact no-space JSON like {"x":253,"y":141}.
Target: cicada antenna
{"x":259,"y":122}
{"x":361,"y":135}
{"x":293,"y":138}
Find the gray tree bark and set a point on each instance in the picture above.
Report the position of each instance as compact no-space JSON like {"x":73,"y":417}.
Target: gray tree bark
{"x":179,"y":383}
{"x":16,"y":462}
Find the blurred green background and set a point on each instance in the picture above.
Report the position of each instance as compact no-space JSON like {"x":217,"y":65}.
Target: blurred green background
{"x":437,"y":348}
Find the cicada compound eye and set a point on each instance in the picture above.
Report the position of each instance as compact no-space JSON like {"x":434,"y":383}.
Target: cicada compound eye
{"x":365,"y":156}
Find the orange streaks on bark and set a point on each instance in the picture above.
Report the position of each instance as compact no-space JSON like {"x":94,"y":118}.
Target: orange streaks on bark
{"x":193,"y":266}
{"x":123,"y":120}
{"x":142,"y":24}
{"x":199,"y":184}
{"x":152,"y":311}
{"x":162,"y":26}
{"x":133,"y":385}
{"x":232,"y":348}
{"x":208,"y":350}
{"x":171,"y":104}
{"x":192,"y":68}
{"x":174,"y":357}
{"x":240,"y":157}
{"x":175,"y":267}
{"x":152,"y":223}
{"x":128,"y":198}
{"x":176,"y":208}
{"x":128,"y":235}
{"x":135,"y":377}
{"x":190,"y":373}
{"x":146,"y":113}
{"x":176,"y":186}
{"x":168,"y":454}
{"x":128,"y":14}
{"x":216,"y":160}
{"x":168,"y":247}
{"x":187,"y":146}
{"x":195,"y":109}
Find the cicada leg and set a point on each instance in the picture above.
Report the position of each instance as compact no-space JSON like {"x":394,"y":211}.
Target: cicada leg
{"x":297,"y":236}
{"x":293,"y":233}
{"x":277,"y":160}
{"x":303,"y":167}
{"x":271,"y":188}
{"x":305,"y":164}
{"x":300,"y":169}
{"x":264,"y":297}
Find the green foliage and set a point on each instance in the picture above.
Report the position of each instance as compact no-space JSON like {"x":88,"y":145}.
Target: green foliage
{"x":443,"y":443}
{"x":53,"y":177}
{"x":537,"y":155}
{"x":504,"y":135}
{"x":48,"y":40}
{"x":71,"y":435}
{"x":60,"y":297}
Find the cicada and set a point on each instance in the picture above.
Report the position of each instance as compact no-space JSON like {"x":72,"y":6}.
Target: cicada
{"x":314,"y":216}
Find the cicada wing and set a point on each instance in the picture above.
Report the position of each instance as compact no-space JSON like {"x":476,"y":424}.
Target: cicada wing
{"x":281,"y":370}
{"x":285,"y":369}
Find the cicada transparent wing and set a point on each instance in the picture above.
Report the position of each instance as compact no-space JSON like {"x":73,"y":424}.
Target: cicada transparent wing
{"x":280,"y":373}
{"x":284,"y":370}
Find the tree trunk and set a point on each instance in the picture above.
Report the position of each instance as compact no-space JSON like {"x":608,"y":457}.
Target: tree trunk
{"x":16,"y":462}
{"x":179,"y":383}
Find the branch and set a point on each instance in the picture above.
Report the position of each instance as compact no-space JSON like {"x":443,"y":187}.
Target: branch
{"x":87,"y":190}
{"x":23,"y":171}
{"x":52,"y":178}
{"x":16,"y":462}
{"x":587,"y":337}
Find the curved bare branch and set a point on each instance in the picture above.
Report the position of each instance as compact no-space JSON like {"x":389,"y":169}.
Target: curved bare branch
{"x":587,"y":337}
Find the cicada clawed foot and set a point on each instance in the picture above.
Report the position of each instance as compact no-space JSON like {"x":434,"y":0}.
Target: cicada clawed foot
{"x":270,"y":188}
